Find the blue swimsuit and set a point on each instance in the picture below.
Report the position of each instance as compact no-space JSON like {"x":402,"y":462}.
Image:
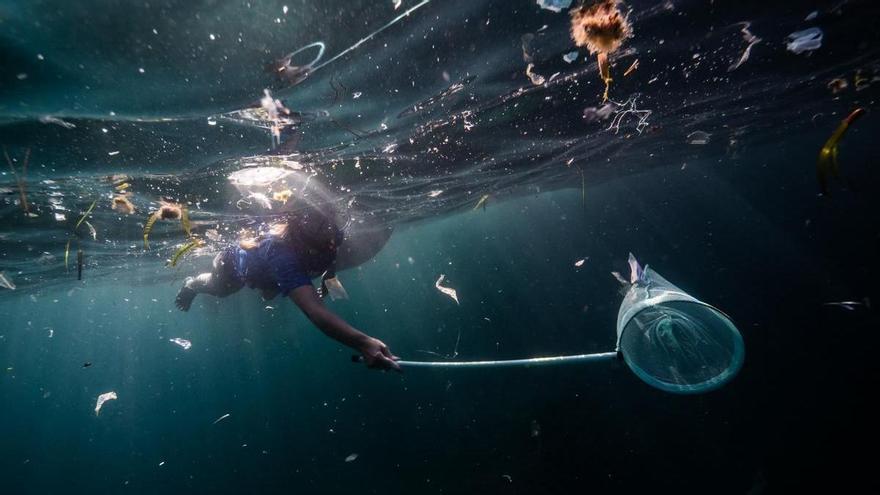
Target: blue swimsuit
{"x":276,"y":266}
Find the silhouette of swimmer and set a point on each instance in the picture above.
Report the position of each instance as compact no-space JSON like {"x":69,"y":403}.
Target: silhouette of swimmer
{"x":304,"y":245}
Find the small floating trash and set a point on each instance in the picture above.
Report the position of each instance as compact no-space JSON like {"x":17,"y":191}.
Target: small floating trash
{"x":102,"y":399}
{"x":804,"y":41}
{"x":185,"y":344}
{"x":6,"y":282}
{"x":446,"y":290}
{"x":554,"y":5}
{"x":698,"y":137}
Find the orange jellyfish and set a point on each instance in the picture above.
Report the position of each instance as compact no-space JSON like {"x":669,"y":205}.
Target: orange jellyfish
{"x":600,"y":27}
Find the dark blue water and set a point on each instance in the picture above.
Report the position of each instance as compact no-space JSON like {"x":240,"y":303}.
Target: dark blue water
{"x":438,"y":101}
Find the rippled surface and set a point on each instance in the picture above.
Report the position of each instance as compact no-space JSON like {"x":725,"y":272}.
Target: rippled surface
{"x":423,"y":119}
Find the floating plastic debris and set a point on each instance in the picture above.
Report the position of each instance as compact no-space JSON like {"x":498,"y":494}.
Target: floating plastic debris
{"x":261,"y":199}
{"x":593,"y":114}
{"x":847,"y":305}
{"x":221,"y":418}
{"x":632,"y":68}
{"x":535,"y":429}
{"x":629,"y":108}
{"x":282,"y":196}
{"x":446,"y":290}
{"x":482,"y":202}
{"x":92,"y":232}
{"x":507,"y":477}
{"x":48,"y":119}
{"x":21,"y":180}
{"x":5,"y":282}
{"x":749,"y":38}
{"x":570,"y":56}
{"x":812,"y":15}
{"x":804,"y":41}
{"x":102,"y":399}
{"x":554,"y":5}
{"x":537,"y":79}
{"x":213,"y":235}
{"x":351,"y":457}
{"x":335,"y":288}
{"x":185,"y":344}
{"x":435,"y":193}
{"x":193,"y":243}
{"x":579,"y":263}
{"x":837,"y":85}
{"x":698,"y":137}
{"x":113,"y":153}
{"x":397,"y":3}
{"x":827,"y":165}
{"x":636,"y":273}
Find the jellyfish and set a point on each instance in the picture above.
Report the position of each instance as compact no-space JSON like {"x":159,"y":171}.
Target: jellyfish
{"x":600,"y":27}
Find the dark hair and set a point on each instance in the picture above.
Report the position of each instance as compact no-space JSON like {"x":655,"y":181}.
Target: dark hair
{"x":310,"y":226}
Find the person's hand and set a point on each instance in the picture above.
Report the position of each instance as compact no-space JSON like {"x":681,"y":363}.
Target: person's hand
{"x":378,"y":356}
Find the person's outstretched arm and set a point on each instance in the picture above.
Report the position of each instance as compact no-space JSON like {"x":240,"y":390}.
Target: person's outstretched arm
{"x":375,"y":352}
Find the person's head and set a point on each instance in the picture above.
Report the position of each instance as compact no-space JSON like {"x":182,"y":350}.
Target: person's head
{"x":313,"y":227}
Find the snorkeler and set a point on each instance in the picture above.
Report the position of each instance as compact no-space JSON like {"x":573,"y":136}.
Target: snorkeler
{"x":301,"y":247}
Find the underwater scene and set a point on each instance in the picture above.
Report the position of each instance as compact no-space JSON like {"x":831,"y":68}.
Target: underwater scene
{"x":439,"y":246}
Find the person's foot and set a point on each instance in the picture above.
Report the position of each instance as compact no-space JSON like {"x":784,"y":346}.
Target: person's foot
{"x":185,"y":296}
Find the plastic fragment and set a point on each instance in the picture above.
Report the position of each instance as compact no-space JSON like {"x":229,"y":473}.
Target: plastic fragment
{"x":554,"y":5}
{"x":48,"y":119}
{"x":221,"y":418}
{"x":185,"y":344}
{"x":632,"y":68}
{"x":749,"y":38}
{"x":698,"y":137}
{"x":482,"y":202}
{"x":804,"y":41}
{"x":5,"y":282}
{"x":636,"y":272}
{"x":102,"y":399}
{"x":446,"y":290}
{"x":570,"y":56}
{"x":351,"y":457}
{"x":335,"y":289}
{"x":537,"y":79}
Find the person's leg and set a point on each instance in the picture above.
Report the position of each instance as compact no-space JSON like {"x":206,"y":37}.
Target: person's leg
{"x":220,"y":282}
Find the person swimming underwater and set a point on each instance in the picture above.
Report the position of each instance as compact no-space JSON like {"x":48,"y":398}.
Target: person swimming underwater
{"x":302,"y":246}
